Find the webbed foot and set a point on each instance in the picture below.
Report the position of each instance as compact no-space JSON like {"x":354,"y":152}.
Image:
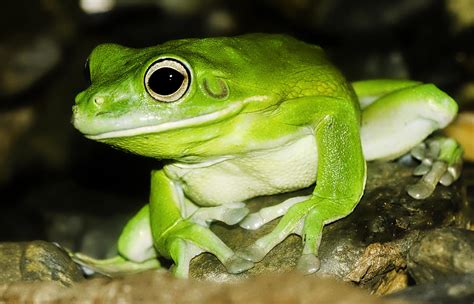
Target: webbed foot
{"x":187,"y":240}
{"x":306,"y":219}
{"x":441,"y":161}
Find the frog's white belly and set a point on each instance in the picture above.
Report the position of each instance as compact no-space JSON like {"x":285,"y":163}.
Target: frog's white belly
{"x":290,"y":167}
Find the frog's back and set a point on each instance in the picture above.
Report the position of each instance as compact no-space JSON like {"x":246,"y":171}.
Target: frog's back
{"x":277,"y":63}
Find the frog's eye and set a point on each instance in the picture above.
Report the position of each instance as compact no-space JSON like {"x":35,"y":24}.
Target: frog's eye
{"x":167,"y":80}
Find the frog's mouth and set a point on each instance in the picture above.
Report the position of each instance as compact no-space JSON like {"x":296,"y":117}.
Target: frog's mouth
{"x":230,"y":111}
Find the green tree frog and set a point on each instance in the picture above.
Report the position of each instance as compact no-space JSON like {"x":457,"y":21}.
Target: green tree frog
{"x":247,"y":116}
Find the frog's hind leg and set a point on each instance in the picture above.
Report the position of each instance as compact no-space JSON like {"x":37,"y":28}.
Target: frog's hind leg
{"x":135,"y":248}
{"x":136,"y":241}
{"x":395,"y":123}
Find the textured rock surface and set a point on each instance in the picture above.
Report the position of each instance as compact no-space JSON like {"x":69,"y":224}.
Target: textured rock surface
{"x":160,"y":288}
{"x":455,"y":289}
{"x":441,"y":253}
{"x":36,"y":261}
{"x":385,"y":214}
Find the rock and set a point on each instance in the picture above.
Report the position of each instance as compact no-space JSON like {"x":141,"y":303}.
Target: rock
{"x":379,"y":258}
{"x":441,"y":253}
{"x":153,"y":287}
{"x":385,"y":214}
{"x":392,"y":282}
{"x":453,"y":289}
{"x":37,"y":261}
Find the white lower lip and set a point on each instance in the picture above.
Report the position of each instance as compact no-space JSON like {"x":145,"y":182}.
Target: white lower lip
{"x":193,"y":121}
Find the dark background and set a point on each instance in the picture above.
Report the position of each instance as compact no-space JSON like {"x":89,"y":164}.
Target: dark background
{"x":57,"y":185}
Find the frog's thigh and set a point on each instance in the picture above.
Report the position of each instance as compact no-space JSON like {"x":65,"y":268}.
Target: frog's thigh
{"x":368,"y":91}
{"x":397,"y":122}
{"x":136,"y":242}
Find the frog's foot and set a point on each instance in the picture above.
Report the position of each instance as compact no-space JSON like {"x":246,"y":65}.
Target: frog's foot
{"x":306,"y":219}
{"x":230,"y":214}
{"x":190,"y":239}
{"x":256,"y":220}
{"x":441,"y":161}
{"x":113,"y":267}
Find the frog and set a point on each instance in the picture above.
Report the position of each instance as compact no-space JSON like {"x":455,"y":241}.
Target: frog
{"x":232,"y":118}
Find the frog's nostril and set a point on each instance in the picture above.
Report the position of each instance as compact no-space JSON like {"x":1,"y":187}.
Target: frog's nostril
{"x":98,"y":100}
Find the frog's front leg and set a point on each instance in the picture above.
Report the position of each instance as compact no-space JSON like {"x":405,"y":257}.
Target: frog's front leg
{"x":396,"y":122}
{"x":340,"y":184}
{"x":181,"y":238}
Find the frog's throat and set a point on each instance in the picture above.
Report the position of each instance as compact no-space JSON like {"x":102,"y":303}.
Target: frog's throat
{"x":230,"y":111}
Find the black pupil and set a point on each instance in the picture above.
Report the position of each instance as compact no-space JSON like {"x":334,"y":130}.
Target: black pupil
{"x":165,"y":81}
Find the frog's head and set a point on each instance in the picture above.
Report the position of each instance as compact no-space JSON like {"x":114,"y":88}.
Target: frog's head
{"x":158,"y":101}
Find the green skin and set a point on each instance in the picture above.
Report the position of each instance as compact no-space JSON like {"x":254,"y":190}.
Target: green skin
{"x":262,"y":114}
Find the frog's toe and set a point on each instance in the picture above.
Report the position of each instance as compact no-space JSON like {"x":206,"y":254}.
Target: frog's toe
{"x":420,"y":190}
{"x":308,"y":264}
{"x":447,"y":179}
{"x":452,"y":174}
{"x":441,"y":161}
{"x":426,"y":151}
{"x":456,"y":169}
{"x":419,"y":151}
{"x":427,"y":184}
{"x":422,"y":169}
{"x":236,"y":264}
{"x":254,"y":253}
{"x":252,"y":221}
{"x":233,"y":216}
